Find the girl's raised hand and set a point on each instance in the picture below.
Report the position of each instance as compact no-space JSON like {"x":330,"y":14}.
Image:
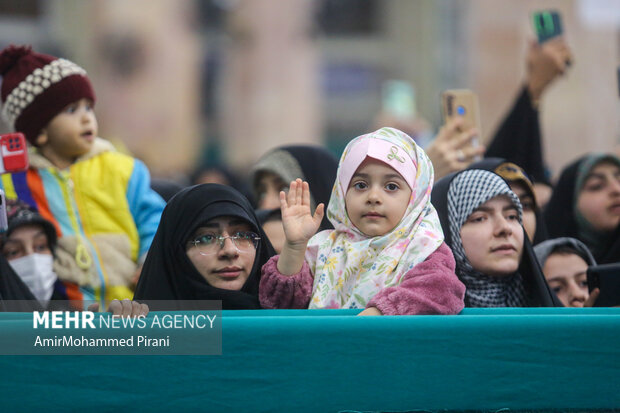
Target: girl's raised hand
{"x":299,"y":224}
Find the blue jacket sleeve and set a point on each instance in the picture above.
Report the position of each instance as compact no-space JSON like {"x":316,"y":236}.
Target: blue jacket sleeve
{"x":145,"y":204}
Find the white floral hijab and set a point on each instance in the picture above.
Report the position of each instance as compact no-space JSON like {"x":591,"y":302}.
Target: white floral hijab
{"x":349,"y":267}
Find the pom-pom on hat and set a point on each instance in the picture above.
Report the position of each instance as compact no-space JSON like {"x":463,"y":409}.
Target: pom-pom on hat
{"x":36,"y":87}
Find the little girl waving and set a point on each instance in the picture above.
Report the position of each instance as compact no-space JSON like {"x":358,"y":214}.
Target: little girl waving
{"x":386,"y":253}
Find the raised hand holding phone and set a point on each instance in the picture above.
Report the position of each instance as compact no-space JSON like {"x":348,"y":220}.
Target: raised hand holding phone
{"x":457,"y":144}
{"x":299,"y":225}
{"x":547,"y":24}
{"x":461,"y":103}
{"x":549,"y":28}
{"x":453,"y":148}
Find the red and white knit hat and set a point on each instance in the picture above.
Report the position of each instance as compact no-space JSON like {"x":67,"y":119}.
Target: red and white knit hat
{"x":36,"y":87}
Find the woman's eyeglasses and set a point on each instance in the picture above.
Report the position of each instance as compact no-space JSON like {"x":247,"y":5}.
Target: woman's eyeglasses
{"x":209,"y":244}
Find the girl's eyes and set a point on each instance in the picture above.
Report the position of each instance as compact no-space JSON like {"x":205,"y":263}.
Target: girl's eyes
{"x":513,"y":217}
{"x":71,"y":109}
{"x":363,"y":185}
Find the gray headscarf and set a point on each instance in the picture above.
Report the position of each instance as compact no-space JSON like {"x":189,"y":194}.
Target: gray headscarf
{"x":468,"y":191}
{"x":546,"y":248}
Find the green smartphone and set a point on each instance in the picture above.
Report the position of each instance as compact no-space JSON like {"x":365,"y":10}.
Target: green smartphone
{"x":547,"y":24}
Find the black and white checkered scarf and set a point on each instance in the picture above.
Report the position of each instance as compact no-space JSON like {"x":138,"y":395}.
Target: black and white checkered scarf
{"x":468,"y":191}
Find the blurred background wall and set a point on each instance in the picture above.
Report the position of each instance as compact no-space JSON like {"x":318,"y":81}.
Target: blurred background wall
{"x":183,"y":83}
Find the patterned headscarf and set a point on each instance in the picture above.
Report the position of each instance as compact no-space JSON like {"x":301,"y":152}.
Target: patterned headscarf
{"x":349,"y":267}
{"x":467,"y":192}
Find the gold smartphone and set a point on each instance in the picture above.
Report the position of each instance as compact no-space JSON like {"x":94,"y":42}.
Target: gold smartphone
{"x":461,"y":103}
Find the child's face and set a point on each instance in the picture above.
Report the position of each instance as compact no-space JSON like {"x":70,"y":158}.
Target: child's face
{"x":566,"y":275}
{"x":26,"y":240}
{"x":70,"y":134}
{"x":492,"y":237}
{"x":599,"y":199}
{"x":377,"y":198}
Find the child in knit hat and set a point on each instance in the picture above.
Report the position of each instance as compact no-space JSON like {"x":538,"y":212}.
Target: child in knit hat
{"x":99,"y":201}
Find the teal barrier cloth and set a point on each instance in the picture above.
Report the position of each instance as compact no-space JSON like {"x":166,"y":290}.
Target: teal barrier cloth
{"x":329,"y":360}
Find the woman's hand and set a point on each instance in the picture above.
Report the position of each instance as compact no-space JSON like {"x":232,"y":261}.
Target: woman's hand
{"x":544,"y":63}
{"x":453,"y":149}
{"x":297,"y":220}
{"x":371,"y":311}
{"x":124,"y":308}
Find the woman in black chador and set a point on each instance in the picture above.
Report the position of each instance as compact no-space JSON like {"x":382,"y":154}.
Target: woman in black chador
{"x":209,"y":246}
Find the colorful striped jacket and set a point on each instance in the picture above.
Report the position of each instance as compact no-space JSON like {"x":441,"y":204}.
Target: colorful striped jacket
{"x":104,"y":211}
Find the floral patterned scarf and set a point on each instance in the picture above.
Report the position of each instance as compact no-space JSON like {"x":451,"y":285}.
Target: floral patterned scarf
{"x":349,"y":267}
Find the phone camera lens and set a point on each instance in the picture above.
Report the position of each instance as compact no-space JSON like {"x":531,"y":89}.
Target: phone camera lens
{"x":460,"y":110}
{"x":449,"y":100}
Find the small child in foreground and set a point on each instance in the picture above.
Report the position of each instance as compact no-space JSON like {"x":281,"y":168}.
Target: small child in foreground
{"x":386,"y":253}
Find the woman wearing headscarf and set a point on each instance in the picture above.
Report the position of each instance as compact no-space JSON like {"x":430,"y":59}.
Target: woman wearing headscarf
{"x":481,"y":218}
{"x":209,"y":246}
{"x":275,"y":170}
{"x":521,"y":184}
{"x":586,"y":205}
{"x":29,"y":244}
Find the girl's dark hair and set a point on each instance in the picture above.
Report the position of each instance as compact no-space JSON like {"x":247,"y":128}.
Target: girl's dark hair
{"x":567,"y":250}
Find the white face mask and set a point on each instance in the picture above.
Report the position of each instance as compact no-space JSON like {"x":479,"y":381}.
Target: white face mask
{"x":37,"y":272}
